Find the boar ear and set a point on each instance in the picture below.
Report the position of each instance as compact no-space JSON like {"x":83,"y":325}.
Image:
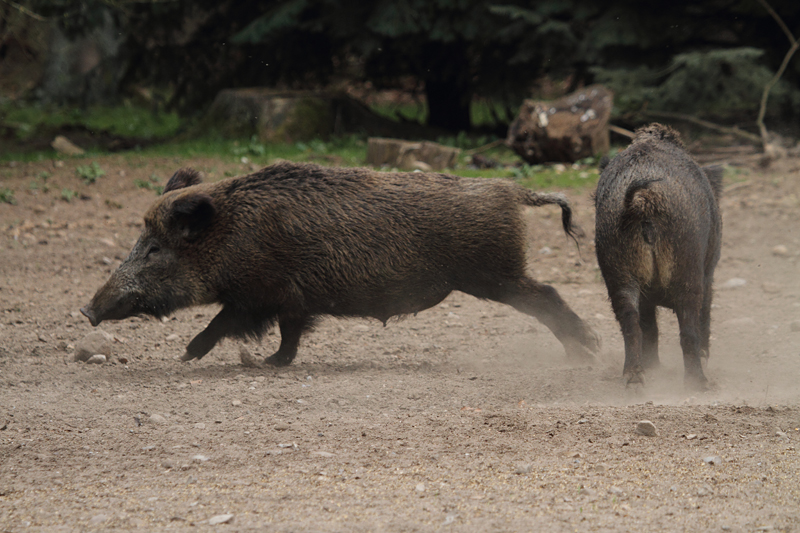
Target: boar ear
{"x":184,"y":177}
{"x":191,"y":214}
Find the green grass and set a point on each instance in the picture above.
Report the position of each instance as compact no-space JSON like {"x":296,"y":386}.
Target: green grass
{"x":7,"y":196}
{"x":343,"y":151}
{"x":68,"y":194}
{"x":125,"y":120}
{"x":481,"y":112}
{"x":152,"y":184}
{"x":90,"y":173}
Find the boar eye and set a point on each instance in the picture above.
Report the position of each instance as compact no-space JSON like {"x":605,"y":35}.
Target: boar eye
{"x":154,"y":249}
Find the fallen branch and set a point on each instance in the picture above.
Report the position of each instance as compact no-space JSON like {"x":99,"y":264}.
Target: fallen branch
{"x":485,"y":147}
{"x":621,"y":131}
{"x":732,"y":130}
{"x":762,"y":128}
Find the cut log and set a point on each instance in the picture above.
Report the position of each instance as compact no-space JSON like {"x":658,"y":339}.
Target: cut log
{"x":407,"y":155}
{"x":563,"y":130}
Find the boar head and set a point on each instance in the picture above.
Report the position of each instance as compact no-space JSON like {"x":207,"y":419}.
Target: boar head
{"x":162,"y":273}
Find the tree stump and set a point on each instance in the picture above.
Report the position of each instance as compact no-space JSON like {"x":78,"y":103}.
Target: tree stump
{"x":564,"y":130}
{"x":407,"y":155}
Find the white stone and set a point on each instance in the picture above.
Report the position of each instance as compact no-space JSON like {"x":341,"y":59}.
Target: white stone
{"x":646,"y":428}
{"x":220,"y":519}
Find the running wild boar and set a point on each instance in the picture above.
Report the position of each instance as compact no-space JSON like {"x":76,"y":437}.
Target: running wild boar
{"x":658,"y":232}
{"x":292,"y":242}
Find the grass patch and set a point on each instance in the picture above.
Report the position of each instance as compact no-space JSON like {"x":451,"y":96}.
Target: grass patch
{"x":68,"y":194}
{"x":126,"y":120}
{"x":151,"y":184}
{"x":90,"y":173}
{"x":7,"y":196}
{"x":342,"y":151}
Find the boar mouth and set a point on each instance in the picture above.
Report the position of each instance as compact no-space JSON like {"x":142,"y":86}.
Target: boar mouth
{"x":92,"y":319}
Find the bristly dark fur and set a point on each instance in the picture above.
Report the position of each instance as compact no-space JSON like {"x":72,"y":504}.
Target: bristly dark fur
{"x":658,"y":132}
{"x":657,"y":235}
{"x":293,"y":242}
{"x":184,"y":177}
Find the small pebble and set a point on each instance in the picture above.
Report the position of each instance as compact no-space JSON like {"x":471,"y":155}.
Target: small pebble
{"x":173,"y":337}
{"x":712,"y":460}
{"x":323,"y":454}
{"x":545,"y":251}
{"x":96,"y":342}
{"x":646,"y":428}
{"x":220,"y":519}
{"x":158,"y":419}
{"x":236,"y":403}
{"x":771,"y":288}
{"x":734,"y":283}
{"x":780,"y":251}
{"x":705,"y":490}
{"x":739,"y":322}
{"x":96,"y":359}
{"x":523,"y":469}
{"x":200,"y":425}
{"x":420,"y":487}
{"x":199,"y":458}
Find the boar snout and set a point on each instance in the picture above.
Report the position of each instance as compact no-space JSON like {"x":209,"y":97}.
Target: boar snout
{"x":90,"y":315}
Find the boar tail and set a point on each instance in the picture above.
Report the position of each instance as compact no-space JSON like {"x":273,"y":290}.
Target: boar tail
{"x":535,"y":199}
{"x":639,"y":204}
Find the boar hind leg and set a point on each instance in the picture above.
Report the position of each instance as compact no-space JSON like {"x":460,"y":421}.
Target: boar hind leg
{"x":626,"y":310}
{"x":649,"y":325}
{"x":220,"y":326}
{"x":705,"y":323}
{"x":291,"y":331}
{"x":691,"y":344}
{"x":543,"y":302}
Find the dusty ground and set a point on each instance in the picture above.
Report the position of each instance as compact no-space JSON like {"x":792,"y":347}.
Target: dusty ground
{"x":465,"y":417}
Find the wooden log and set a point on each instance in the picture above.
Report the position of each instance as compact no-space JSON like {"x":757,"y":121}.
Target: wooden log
{"x":565,"y":130}
{"x":408,"y":155}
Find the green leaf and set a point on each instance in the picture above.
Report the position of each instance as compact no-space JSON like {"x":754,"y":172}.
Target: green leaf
{"x":285,"y":16}
{"x":515,"y":12}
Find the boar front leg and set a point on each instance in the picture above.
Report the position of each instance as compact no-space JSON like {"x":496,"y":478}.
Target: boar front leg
{"x":291,"y":331}
{"x":220,"y":326}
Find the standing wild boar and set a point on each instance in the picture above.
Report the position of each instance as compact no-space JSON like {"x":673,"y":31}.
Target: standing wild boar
{"x":658,"y":233}
{"x":295,"y":241}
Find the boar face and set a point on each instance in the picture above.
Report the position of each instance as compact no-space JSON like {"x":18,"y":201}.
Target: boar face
{"x":161,"y":274}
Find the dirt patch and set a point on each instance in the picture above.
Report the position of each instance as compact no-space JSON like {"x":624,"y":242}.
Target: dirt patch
{"x":465,"y":416}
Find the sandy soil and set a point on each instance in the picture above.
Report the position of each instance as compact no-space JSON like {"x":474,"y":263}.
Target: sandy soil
{"x":466,"y":417}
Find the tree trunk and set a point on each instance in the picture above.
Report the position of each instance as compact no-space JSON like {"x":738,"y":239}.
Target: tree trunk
{"x":448,"y":105}
{"x":447,"y":86}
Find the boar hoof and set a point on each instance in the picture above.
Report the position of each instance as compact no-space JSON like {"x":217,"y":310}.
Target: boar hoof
{"x":580,"y":352}
{"x":278,"y":359}
{"x":634,"y":378}
{"x":696,"y":383}
{"x":188,"y":357}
